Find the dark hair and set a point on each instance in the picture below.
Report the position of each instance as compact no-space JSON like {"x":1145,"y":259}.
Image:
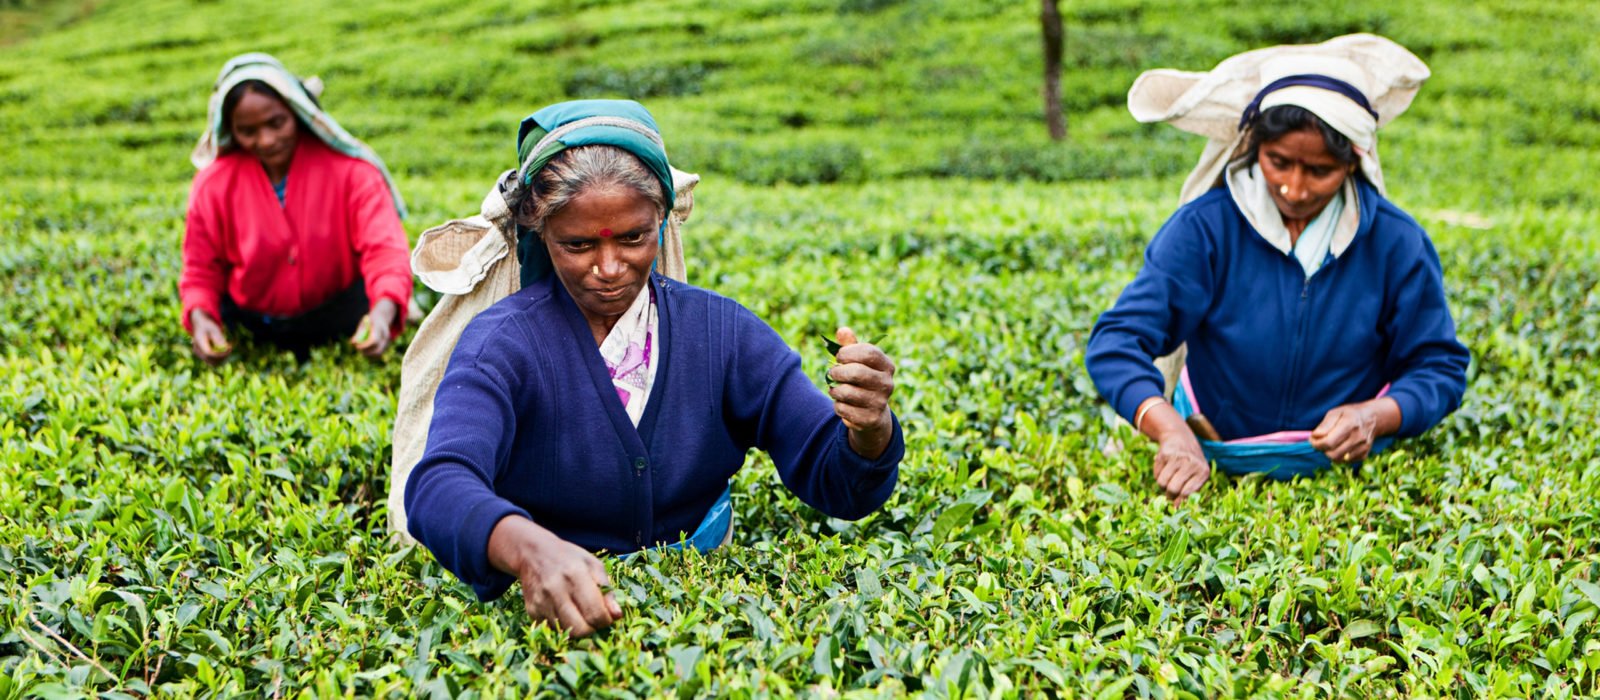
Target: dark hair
{"x":231,"y":100}
{"x":1274,"y":123}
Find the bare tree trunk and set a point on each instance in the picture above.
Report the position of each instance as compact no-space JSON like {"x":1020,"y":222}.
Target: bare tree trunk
{"x":1050,"y":19}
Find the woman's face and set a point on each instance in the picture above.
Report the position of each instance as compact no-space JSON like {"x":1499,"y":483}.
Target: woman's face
{"x":602,"y":244}
{"x":264,"y":127}
{"x":1301,"y":174}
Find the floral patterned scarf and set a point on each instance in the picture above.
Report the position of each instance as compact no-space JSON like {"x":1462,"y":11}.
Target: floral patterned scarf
{"x":630,"y":353}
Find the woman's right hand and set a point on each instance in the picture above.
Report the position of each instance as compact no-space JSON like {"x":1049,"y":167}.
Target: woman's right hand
{"x":562,"y":584}
{"x":209,"y":342}
{"x":1180,"y":466}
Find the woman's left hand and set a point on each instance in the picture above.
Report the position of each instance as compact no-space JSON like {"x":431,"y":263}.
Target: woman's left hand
{"x":1347,"y":432}
{"x":865,"y":379}
{"x":372,"y":336}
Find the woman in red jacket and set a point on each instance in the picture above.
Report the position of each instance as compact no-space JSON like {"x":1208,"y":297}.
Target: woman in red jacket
{"x":293,"y":230}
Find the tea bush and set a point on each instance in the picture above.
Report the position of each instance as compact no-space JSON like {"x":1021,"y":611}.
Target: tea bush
{"x":168,"y":528}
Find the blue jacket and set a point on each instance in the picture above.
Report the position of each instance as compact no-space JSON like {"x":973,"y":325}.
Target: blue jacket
{"x":1270,"y":349}
{"x":526,"y":422}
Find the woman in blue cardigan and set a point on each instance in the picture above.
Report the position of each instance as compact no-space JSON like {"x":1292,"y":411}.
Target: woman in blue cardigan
{"x":605,"y":407}
{"x":1313,"y":309}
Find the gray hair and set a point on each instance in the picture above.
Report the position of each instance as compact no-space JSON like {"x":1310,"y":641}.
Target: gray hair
{"x":581,"y":169}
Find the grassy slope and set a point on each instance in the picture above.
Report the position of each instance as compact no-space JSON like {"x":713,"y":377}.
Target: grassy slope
{"x":200,"y":530}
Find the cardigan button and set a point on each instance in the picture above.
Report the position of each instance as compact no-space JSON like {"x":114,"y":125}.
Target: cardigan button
{"x":639,"y":464}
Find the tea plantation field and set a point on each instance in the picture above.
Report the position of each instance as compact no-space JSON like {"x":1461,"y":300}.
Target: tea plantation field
{"x":176,"y":530}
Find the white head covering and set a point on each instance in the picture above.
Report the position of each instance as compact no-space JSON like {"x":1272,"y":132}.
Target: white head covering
{"x":299,"y":96}
{"x":1210,"y":103}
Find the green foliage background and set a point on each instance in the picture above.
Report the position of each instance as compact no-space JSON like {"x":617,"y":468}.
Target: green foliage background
{"x":170,"y":529}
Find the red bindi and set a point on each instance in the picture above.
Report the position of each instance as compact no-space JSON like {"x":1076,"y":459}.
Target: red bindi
{"x":605,"y":233}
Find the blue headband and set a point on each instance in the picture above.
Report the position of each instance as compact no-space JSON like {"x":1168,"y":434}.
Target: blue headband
{"x":1312,"y":80}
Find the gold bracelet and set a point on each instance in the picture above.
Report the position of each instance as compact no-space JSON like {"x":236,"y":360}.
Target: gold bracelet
{"x":1138,"y":416}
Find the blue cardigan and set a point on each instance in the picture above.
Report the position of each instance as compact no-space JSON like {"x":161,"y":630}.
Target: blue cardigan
{"x":526,"y":422}
{"x":1271,"y":350}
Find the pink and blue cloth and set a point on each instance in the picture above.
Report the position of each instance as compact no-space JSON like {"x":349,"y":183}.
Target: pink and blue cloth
{"x":1283,"y":455}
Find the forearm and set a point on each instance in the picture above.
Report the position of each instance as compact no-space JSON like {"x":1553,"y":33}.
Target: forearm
{"x":203,"y":278}
{"x":866,"y":480}
{"x":385,"y":257}
{"x":453,"y":512}
{"x":200,"y":295}
{"x":1387,"y":413}
{"x":828,"y":474}
{"x":384,"y":312}
{"x":872,"y":443}
{"x":1424,"y":396}
{"x":514,"y":543}
{"x":1159,"y":421}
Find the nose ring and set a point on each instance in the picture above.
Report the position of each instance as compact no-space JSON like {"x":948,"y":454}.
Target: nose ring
{"x":596,"y":270}
{"x":1283,"y":190}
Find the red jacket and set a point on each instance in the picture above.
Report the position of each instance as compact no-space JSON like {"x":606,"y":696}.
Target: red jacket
{"x":337,"y":223}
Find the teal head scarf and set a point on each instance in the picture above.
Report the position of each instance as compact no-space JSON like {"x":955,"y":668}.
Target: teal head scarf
{"x":622,"y":123}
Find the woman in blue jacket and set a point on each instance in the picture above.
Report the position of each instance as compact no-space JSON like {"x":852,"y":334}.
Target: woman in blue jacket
{"x":605,"y":406}
{"x":1312,"y":307}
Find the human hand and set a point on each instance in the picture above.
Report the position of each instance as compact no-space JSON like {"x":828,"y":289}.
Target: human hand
{"x":864,"y":378}
{"x":209,"y":342}
{"x":1347,"y":432}
{"x":561,"y":582}
{"x":1180,"y":465}
{"x":372,"y":335}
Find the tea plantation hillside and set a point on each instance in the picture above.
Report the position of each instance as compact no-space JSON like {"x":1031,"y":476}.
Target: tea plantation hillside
{"x":176,"y":530}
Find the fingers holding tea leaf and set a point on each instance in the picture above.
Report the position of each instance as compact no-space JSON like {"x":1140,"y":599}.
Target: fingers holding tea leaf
{"x":562,"y":589}
{"x":597,"y":571}
{"x":209,"y":342}
{"x":863,"y":377}
{"x":378,"y":342}
{"x":212,"y":343}
{"x":1191,"y":480}
{"x":873,"y":374}
{"x":363,"y":334}
{"x":371,"y":337}
{"x":862,"y":380}
{"x":873,"y":400}
{"x":570,"y":617}
{"x":592,"y":607}
{"x":862,"y":419}
{"x":867,"y":355}
{"x":1180,"y":467}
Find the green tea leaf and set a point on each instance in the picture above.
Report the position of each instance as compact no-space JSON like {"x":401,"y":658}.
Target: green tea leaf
{"x":1361,"y":628}
{"x":953,"y":517}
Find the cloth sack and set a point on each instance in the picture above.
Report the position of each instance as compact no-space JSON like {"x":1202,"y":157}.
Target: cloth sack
{"x":1283,"y":455}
